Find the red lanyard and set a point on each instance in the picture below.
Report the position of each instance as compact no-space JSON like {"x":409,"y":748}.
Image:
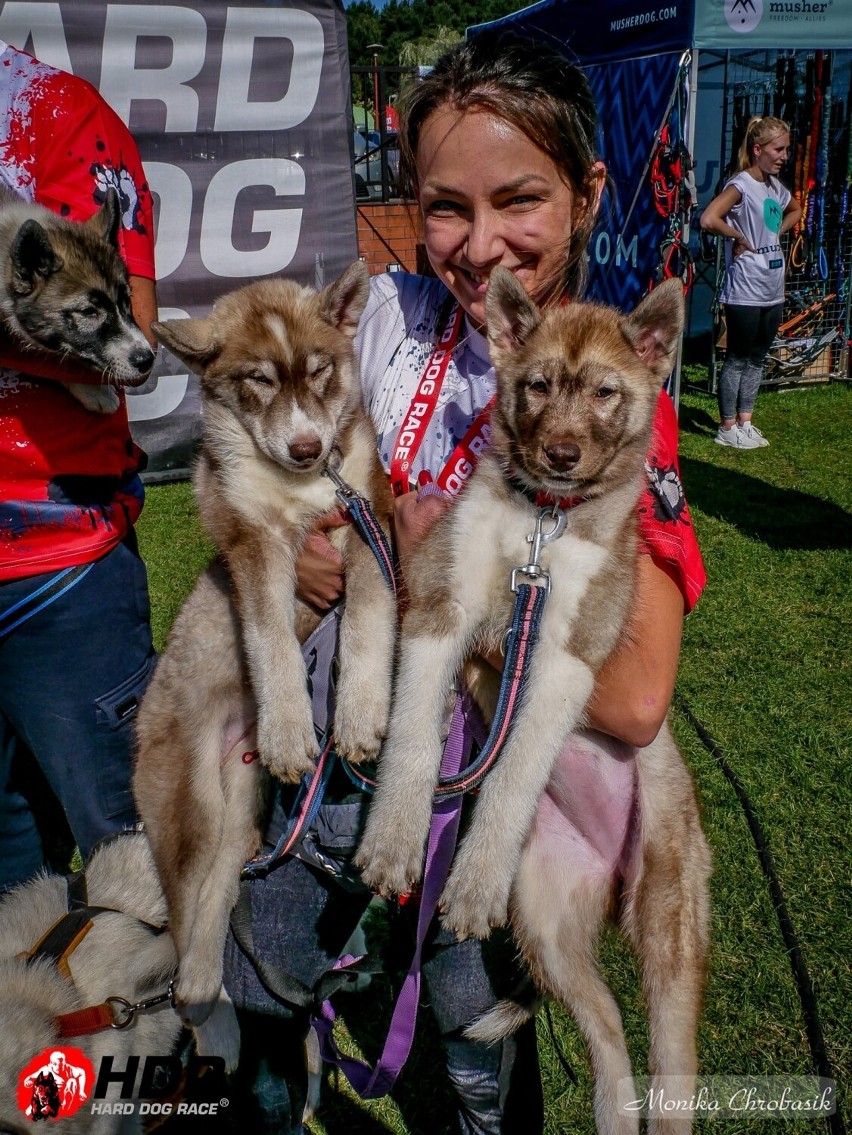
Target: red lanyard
{"x":464,"y":457}
{"x":462,"y":461}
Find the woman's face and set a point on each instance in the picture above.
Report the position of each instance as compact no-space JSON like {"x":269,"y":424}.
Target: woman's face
{"x":772,"y":155}
{"x":489,"y":197}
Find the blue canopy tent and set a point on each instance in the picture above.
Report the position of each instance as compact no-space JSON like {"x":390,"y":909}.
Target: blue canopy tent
{"x":677,"y":66}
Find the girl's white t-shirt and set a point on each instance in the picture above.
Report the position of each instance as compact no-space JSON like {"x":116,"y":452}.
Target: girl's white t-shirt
{"x":395,"y":341}
{"x":756,"y":279}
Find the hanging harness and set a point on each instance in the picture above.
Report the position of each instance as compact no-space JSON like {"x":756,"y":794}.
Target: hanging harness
{"x":673,"y":185}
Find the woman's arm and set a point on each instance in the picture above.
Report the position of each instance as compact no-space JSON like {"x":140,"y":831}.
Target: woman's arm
{"x":791,"y":216}
{"x":143,"y":304}
{"x":633,"y":690}
{"x":713,"y":218}
{"x":635,"y":686}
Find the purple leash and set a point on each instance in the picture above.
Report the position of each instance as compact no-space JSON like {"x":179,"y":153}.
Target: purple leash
{"x":443,"y":833}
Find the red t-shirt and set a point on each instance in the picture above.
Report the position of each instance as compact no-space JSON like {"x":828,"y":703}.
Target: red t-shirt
{"x":69,"y":484}
{"x":665,"y":526}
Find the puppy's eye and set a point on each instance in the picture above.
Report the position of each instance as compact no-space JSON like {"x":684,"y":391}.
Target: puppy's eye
{"x":538,"y":387}
{"x":261,"y":379}
{"x":605,"y":392}
{"x":89,"y":311}
{"x":322,"y":370}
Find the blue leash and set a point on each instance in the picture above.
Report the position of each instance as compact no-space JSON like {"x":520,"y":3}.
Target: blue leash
{"x":313,"y":785}
{"x":530,"y":599}
{"x":365,"y":521}
{"x":42,"y":597}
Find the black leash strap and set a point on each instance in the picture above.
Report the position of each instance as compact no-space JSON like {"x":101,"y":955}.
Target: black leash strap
{"x":277,"y":982}
{"x":813,"y":1027}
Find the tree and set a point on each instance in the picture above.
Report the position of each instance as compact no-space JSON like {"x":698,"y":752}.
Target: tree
{"x":424,"y":51}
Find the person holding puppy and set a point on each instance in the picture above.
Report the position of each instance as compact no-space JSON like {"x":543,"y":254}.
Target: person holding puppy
{"x":751,"y":212}
{"x":498,"y":141}
{"x":75,"y":636}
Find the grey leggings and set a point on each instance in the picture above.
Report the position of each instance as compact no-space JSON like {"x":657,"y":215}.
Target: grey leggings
{"x":750,"y":334}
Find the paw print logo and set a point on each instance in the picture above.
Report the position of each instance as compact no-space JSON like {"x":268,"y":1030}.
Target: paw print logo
{"x":108,"y":177}
{"x":666,"y":490}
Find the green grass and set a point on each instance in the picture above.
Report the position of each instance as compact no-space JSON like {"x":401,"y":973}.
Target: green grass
{"x":765,"y":666}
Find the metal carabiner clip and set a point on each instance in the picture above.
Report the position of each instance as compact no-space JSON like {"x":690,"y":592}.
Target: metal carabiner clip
{"x":532,"y":571}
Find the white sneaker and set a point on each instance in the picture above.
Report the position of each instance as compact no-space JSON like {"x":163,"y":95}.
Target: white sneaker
{"x":751,"y":431}
{"x":736,"y":438}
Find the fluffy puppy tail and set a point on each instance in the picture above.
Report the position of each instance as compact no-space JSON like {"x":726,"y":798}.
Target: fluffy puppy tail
{"x":506,"y":1017}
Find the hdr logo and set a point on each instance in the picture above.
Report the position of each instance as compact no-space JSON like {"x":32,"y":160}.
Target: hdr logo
{"x":55,"y":1084}
{"x":743,"y":15}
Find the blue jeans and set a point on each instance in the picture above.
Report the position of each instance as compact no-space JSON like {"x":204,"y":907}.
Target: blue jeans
{"x":72,"y":678}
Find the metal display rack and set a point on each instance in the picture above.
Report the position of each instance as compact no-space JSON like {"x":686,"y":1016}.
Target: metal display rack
{"x":812,"y":91}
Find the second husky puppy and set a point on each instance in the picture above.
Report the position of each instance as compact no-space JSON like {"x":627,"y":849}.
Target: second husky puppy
{"x":282,"y":399}
{"x":64,"y":289}
{"x":576,"y":392}
{"x":616,"y":835}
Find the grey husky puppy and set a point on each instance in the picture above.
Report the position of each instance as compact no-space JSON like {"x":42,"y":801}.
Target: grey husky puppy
{"x":121,"y":956}
{"x":64,"y":289}
{"x":577,"y":389}
{"x":282,"y":400}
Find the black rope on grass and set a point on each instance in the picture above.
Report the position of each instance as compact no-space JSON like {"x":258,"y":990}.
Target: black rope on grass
{"x":807,"y":997}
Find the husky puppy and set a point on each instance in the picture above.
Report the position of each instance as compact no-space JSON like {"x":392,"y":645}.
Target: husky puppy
{"x":64,"y":289}
{"x":282,"y":399}
{"x":577,"y":388}
{"x":121,"y":956}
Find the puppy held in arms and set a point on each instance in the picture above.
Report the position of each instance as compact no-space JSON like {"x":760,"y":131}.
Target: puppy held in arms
{"x":576,"y":391}
{"x":570,"y":828}
{"x":64,"y":290}
{"x":281,"y":404}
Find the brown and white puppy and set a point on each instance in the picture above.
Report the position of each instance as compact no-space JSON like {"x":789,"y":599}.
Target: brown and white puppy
{"x":282,"y":398}
{"x":64,"y":289}
{"x":577,"y":390}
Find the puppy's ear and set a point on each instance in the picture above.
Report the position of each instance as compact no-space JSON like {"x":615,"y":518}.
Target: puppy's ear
{"x":107,"y":221}
{"x":192,"y":340}
{"x":509,"y":312}
{"x":32,"y":258}
{"x":342,"y":303}
{"x":654,"y":328}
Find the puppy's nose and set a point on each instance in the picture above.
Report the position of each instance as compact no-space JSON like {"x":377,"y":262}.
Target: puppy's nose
{"x":141,"y":359}
{"x":562,"y":454}
{"x":305,"y":448}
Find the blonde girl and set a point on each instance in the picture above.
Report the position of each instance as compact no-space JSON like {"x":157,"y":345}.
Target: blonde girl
{"x":751,"y":212}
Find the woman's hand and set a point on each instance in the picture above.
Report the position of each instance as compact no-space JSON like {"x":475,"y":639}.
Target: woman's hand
{"x":741,"y":245}
{"x":413,"y":516}
{"x":319,"y":567}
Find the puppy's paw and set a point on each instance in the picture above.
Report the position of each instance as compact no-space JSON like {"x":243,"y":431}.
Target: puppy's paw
{"x":195,"y":995}
{"x":96,"y":399}
{"x":219,"y":1035}
{"x":360,"y":721}
{"x":473,"y":903}
{"x":389,"y":864}
{"x":288,"y":748}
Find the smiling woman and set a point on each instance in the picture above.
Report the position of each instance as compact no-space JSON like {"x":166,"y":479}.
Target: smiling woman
{"x":476,"y":216}
{"x":498,"y":143}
